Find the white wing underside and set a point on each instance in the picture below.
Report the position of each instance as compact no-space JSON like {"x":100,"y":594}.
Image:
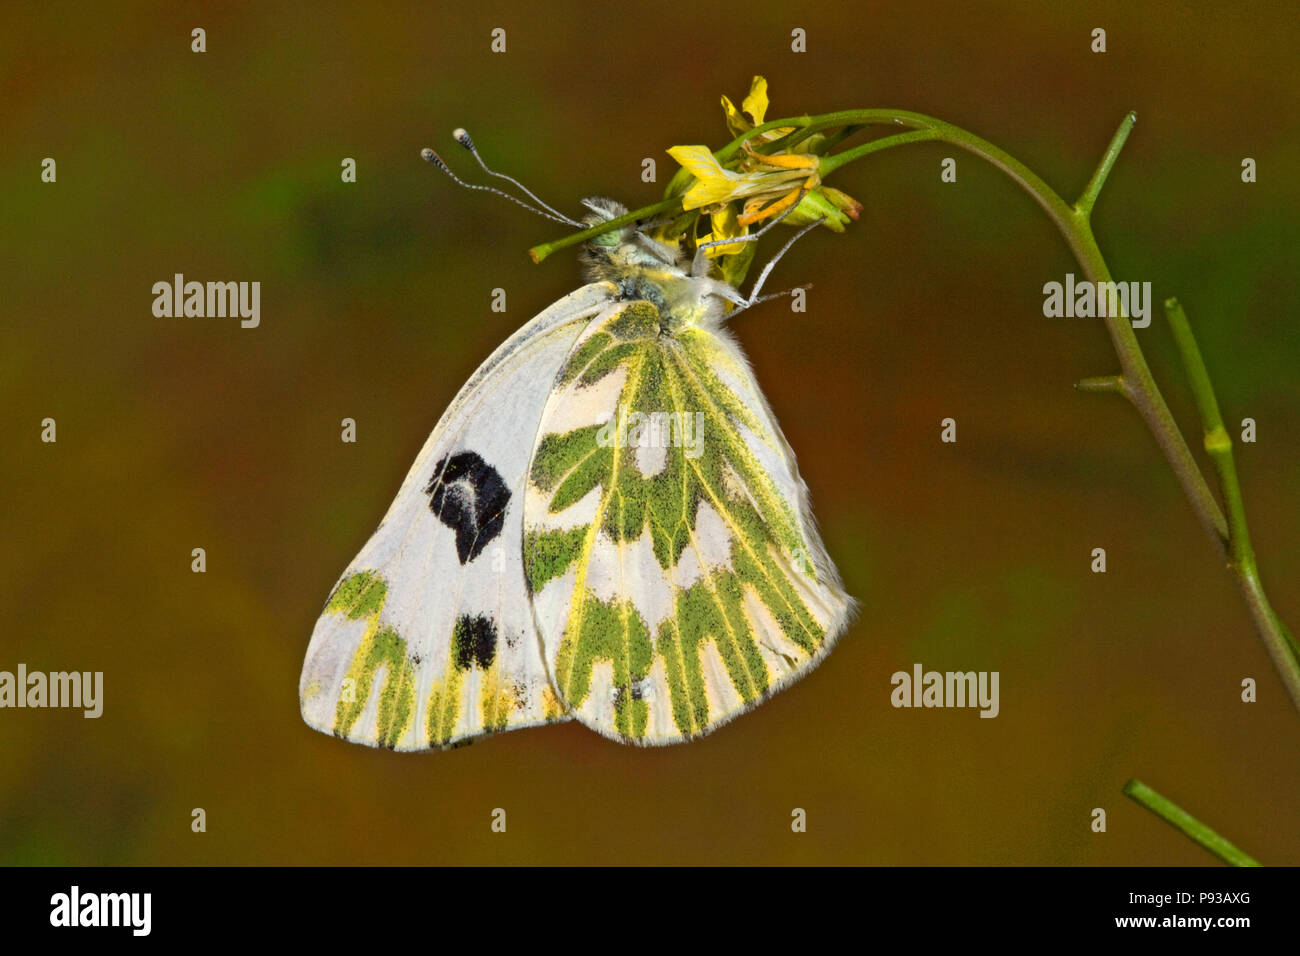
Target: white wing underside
{"x":451,"y":564}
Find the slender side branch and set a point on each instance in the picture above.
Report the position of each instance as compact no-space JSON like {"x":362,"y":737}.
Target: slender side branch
{"x":1217,"y":442}
{"x":1191,"y":827}
{"x":1104,"y":383}
{"x":1241,"y":555}
{"x":1089,"y":198}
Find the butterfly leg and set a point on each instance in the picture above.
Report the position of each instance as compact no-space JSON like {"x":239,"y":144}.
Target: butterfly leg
{"x":754,"y":297}
{"x":700,"y":266}
{"x":771,"y":263}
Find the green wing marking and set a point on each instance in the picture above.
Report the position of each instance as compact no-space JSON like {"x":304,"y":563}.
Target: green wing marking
{"x":675,"y":394}
{"x":362,"y":595}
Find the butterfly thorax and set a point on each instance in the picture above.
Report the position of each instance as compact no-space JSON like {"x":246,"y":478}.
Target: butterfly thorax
{"x":645,"y":269}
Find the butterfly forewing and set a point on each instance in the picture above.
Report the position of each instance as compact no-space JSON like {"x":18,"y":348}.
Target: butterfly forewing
{"x":428,"y":638}
{"x":676,"y":576}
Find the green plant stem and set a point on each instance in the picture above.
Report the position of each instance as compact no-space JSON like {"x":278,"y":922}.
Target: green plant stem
{"x":1103,"y":383}
{"x":1135,"y":382}
{"x":674,"y":205}
{"x":1099,"y":176}
{"x":1074,"y":224}
{"x":1217,"y":442}
{"x":1218,"y":445}
{"x":1179,"y":818}
{"x":831,"y":163}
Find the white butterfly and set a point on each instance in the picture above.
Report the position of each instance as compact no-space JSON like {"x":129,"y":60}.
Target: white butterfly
{"x":606,"y":525}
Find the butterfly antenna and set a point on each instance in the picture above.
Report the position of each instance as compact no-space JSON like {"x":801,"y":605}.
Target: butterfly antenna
{"x":429,"y":156}
{"x":462,"y":136}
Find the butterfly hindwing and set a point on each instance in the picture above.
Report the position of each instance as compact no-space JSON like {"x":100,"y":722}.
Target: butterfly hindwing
{"x":428,"y":639}
{"x":676,"y":576}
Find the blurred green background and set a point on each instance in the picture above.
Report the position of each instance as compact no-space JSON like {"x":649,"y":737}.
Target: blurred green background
{"x":183,"y":433}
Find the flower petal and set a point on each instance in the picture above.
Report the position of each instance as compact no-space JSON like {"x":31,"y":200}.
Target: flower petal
{"x":726,"y":225}
{"x":735,"y":121}
{"x":755,"y":211}
{"x":699,"y":162}
{"x":713,"y":184}
{"x":755,"y":103}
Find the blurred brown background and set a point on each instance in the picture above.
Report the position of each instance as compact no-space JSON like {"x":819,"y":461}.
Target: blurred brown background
{"x":183,"y":433}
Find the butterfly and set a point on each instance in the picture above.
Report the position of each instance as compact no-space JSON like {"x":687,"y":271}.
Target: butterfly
{"x":606,"y":525}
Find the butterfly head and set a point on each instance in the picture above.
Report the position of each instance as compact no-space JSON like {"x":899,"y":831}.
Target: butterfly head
{"x":621,"y":253}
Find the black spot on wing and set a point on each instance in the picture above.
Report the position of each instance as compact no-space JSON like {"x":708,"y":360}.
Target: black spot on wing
{"x":468,"y":496}
{"x":474,"y":642}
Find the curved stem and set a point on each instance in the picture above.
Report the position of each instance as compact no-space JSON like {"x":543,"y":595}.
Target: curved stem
{"x":831,"y":163}
{"x":1136,"y":382}
{"x":1074,"y":224}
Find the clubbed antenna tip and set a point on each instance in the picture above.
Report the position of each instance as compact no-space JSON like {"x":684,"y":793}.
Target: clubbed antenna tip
{"x":429,"y":156}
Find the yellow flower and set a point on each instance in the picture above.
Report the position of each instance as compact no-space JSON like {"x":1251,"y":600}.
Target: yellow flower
{"x":713,"y":184}
{"x":833,"y":207}
{"x":788,"y":177}
{"x":762,"y":185}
